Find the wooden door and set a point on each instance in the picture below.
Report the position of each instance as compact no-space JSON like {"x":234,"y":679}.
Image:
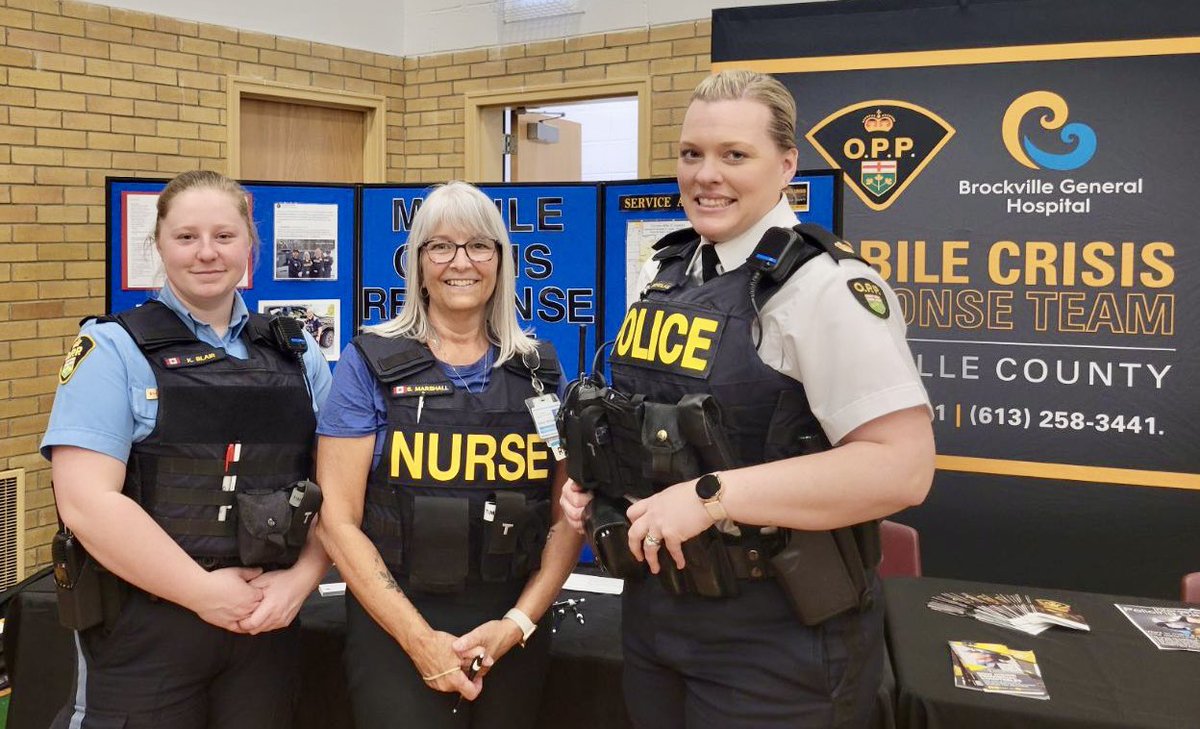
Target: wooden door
{"x":292,"y":142}
{"x":536,"y":161}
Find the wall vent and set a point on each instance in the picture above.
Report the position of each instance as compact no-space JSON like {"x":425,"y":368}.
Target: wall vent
{"x":12,"y":527}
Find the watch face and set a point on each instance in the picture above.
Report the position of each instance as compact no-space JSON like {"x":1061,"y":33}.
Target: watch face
{"x":708,"y":486}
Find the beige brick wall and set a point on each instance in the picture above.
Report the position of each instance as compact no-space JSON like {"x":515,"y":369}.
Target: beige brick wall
{"x":674,"y":57}
{"x":88,"y":91}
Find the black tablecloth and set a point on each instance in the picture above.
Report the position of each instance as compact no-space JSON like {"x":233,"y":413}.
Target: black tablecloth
{"x":1112,"y":677}
{"x":583,"y":688}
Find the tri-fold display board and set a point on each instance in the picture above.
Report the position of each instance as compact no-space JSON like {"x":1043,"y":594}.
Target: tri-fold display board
{"x":333,"y":255}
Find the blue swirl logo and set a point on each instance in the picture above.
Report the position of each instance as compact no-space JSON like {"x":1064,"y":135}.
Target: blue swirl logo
{"x":1078,"y":136}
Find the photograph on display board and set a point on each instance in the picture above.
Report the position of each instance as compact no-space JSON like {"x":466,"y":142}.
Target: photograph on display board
{"x":319,"y":317}
{"x":305,"y":242}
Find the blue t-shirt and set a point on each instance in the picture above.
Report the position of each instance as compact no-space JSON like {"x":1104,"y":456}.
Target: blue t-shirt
{"x":356,"y":405}
{"x":103,"y":405}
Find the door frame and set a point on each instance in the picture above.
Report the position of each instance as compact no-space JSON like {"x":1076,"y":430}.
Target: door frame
{"x":374,"y":110}
{"x":483,"y":120}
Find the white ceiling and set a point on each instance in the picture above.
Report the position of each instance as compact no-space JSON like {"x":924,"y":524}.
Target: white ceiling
{"x":420,"y":27}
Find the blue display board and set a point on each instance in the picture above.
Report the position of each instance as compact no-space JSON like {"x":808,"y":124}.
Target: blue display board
{"x":554,"y":230}
{"x":308,"y":217}
{"x":631,"y":210}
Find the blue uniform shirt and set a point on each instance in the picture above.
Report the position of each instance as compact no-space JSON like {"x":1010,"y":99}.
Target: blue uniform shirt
{"x":103,"y":406}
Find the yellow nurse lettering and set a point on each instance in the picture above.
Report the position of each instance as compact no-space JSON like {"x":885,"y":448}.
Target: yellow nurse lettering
{"x":668,"y":353}
{"x":697,"y":341}
{"x":435,"y":467}
{"x":536,"y":451}
{"x":412,"y":456}
{"x":477,"y":457}
{"x":510,"y":450}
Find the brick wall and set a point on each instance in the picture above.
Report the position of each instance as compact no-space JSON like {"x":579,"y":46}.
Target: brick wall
{"x":88,"y":91}
{"x":674,"y":57}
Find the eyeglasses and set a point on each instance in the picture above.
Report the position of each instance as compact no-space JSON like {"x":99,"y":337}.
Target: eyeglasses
{"x":479,"y":250}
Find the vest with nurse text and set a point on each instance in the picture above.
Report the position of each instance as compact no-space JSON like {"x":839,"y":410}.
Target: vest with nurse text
{"x":479,"y":450}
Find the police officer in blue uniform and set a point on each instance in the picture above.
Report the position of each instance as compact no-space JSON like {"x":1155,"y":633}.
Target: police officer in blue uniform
{"x":441,"y":505}
{"x":166,"y":416}
{"x":756,"y":346}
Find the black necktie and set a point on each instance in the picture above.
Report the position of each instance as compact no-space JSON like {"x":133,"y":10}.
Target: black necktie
{"x":708,"y":262}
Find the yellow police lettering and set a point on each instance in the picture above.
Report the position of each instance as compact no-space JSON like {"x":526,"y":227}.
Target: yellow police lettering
{"x":697,"y":341}
{"x":866,"y":287}
{"x":481,"y":451}
{"x":675,"y":324}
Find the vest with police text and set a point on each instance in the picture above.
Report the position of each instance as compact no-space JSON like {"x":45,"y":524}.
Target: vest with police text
{"x":682,"y":338}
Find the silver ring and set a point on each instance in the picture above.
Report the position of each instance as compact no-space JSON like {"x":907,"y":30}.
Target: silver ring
{"x":652,"y":540}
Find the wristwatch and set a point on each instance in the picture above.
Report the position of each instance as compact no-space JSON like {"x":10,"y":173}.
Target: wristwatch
{"x":709,"y":490}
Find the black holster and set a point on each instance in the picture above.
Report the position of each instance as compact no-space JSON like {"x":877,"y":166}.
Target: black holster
{"x":707,"y":571}
{"x":273,"y":525}
{"x":88,"y":594}
{"x":607,"y":528}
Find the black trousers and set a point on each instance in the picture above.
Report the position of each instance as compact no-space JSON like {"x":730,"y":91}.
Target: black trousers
{"x":162,"y":667}
{"x":746,"y":662}
{"x":387,"y":692}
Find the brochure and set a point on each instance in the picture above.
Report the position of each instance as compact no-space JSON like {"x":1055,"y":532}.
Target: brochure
{"x":995,"y":668}
{"x":1019,"y":612}
{"x":1168,"y":628}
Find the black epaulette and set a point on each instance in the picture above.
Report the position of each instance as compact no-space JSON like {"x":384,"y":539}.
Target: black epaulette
{"x":676,"y":244}
{"x":393,"y":358}
{"x":152,"y":326}
{"x":824,"y":239}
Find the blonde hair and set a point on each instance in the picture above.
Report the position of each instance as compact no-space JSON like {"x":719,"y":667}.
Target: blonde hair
{"x":208,"y":180}
{"x":766,"y":90}
{"x":461,"y":206}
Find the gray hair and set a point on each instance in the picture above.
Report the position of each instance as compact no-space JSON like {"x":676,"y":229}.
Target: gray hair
{"x":460,"y":205}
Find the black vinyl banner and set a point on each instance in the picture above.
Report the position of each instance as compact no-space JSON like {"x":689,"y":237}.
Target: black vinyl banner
{"x":1028,"y":200}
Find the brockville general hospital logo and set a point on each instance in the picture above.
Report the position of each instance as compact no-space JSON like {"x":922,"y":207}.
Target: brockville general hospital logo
{"x":881,"y":145}
{"x":1078,"y":139}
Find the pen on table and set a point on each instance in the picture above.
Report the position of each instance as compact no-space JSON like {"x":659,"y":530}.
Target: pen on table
{"x":476,"y":664}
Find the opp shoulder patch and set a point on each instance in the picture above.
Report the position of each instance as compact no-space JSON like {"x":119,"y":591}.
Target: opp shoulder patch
{"x":82,"y":346}
{"x":870,"y":295}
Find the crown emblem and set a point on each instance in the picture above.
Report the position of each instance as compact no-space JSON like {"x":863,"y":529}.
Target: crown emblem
{"x":879,"y":122}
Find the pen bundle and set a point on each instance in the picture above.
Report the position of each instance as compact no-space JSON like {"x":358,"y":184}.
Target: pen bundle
{"x":1027,"y":614}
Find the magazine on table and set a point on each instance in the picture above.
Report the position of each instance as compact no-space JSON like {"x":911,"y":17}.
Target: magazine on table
{"x":997,"y":669}
{"x":1168,"y":628}
{"x":1031,"y":615}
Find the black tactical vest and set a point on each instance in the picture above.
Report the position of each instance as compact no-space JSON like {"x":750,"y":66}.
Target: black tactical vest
{"x":224,"y":426}
{"x":682,"y":338}
{"x":463,"y":484}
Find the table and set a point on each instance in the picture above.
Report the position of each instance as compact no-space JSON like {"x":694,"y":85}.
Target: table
{"x":583,"y":687}
{"x":1112,"y":677}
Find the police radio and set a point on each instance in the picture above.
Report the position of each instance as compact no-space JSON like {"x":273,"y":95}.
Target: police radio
{"x":289,"y":335}
{"x":776,"y":257}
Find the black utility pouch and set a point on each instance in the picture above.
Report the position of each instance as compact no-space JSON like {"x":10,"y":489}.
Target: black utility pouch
{"x":670,"y":458}
{"x":77,"y":582}
{"x":264,"y":518}
{"x":607,"y":528}
{"x":440,"y":542}
{"x":503,"y":518}
{"x":813,"y":576}
{"x":707,"y":565}
{"x":531,"y":540}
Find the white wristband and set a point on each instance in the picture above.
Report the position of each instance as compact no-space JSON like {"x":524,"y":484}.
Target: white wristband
{"x":523,"y":622}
